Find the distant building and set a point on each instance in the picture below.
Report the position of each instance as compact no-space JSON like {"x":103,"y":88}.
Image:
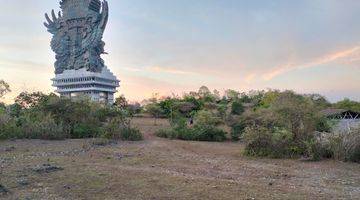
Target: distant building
{"x":344,"y":120}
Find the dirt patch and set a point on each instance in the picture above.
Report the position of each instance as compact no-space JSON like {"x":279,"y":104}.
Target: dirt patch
{"x":165,"y":169}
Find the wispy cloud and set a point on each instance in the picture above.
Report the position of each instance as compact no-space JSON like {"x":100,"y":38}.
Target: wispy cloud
{"x":169,"y":70}
{"x":348,"y":53}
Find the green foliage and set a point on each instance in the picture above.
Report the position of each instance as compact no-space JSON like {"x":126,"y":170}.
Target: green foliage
{"x":41,"y":126}
{"x":277,"y":143}
{"x":118,"y":129}
{"x":207,"y":118}
{"x":40,"y":116}
{"x":85,"y":130}
{"x":155,"y":110}
{"x":205,"y":128}
{"x":340,"y":146}
{"x":237,"y":130}
{"x":316,"y":150}
{"x":8,"y":127}
{"x":346,"y":146}
{"x":4,"y":88}
{"x":323,"y":125}
{"x":347,"y":104}
{"x":237,"y":108}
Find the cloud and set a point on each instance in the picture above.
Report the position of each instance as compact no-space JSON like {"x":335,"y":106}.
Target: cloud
{"x":25,"y":65}
{"x":169,"y":70}
{"x":345,"y":56}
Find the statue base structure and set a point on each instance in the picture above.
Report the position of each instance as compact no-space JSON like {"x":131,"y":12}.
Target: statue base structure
{"x":100,"y":87}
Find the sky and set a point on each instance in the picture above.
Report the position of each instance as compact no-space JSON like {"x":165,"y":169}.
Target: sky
{"x":176,"y":46}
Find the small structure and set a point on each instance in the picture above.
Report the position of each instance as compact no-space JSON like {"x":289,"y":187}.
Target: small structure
{"x":344,"y":119}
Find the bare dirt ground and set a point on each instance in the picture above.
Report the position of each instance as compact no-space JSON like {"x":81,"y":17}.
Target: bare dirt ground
{"x":158,"y":169}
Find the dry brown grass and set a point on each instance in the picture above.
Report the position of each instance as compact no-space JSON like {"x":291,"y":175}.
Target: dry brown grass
{"x":167,"y":169}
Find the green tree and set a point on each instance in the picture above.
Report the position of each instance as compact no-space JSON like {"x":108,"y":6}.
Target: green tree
{"x":348,"y":104}
{"x":28,"y":100}
{"x":237,"y":107}
{"x":154,"y":110}
{"x":4,"y":88}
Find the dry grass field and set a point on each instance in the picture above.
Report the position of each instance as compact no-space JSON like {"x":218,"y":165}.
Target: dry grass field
{"x":157,"y":169}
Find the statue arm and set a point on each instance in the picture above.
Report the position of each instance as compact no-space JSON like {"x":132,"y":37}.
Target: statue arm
{"x":52,"y":24}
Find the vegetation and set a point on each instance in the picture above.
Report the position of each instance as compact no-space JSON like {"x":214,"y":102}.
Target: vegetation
{"x":40,"y":116}
{"x":273,"y":123}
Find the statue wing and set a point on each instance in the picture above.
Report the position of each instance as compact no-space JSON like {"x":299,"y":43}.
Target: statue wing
{"x":52,"y":24}
{"x":93,"y":39}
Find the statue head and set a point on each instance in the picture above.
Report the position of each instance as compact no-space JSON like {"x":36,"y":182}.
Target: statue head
{"x":75,"y":9}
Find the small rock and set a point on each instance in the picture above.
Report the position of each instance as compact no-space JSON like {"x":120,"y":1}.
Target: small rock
{"x":8,"y":149}
{"x":67,"y":187}
{"x":152,"y":166}
{"x":23,"y":182}
{"x":3,"y":190}
{"x":271,"y":183}
{"x":47,"y":168}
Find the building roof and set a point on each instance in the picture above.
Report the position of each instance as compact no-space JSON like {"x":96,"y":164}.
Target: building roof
{"x":331,"y":112}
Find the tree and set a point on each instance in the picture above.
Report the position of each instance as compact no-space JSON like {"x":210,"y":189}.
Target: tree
{"x":237,"y":108}
{"x":347,"y":104}
{"x":121,"y":102}
{"x":155,"y":110}
{"x":232,"y":94}
{"x":4,"y":88}
{"x":28,"y":100}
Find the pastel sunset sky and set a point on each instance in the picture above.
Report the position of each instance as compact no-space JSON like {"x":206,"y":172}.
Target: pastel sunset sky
{"x":165,"y":46}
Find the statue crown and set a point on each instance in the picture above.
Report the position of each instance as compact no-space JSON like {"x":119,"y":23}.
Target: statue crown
{"x":80,"y":8}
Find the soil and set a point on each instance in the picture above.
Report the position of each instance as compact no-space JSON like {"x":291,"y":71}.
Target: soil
{"x":164,"y":169}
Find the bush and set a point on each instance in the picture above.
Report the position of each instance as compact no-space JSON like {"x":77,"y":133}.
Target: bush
{"x":85,"y":130}
{"x":317,"y":150}
{"x":257,"y":141}
{"x":237,"y":130}
{"x":237,"y":108}
{"x":166,"y":133}
{"x":131,"y":134}
{"x":339,"y":146}
{"x":8,"y":128}
{"x":116,"y":129}
{"x":42,"y":127}
{"x":346,"y":146}
{"x":207,"y":133}
{"x":276,"y":143}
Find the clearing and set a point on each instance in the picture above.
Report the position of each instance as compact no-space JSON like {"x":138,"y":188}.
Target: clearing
{"x":164,"y":169}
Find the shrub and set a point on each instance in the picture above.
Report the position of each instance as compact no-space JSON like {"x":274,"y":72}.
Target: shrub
{"x":277,"y":142}
{"x":118,"y":130}
{"x":317,"y":150}
{"x":208,"y":133}
{"x":204,"y":129}
{"x":257,"y":141}
{"x":42,"y":127}
{"x":237,"y":130}
{"x":163,"y":133}
{"x":346,"y":146}
{"x":131,"y":134}
{"x":8,"y":128}
{"x":237,"y":108}
{"x":85,"y":130}
{"x":340,"y":146}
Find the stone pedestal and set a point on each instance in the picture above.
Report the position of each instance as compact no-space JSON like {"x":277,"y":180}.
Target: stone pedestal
{"x":100,"y":87}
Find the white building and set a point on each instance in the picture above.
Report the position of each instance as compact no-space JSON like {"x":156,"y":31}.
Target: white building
{"x":100,"y":87}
